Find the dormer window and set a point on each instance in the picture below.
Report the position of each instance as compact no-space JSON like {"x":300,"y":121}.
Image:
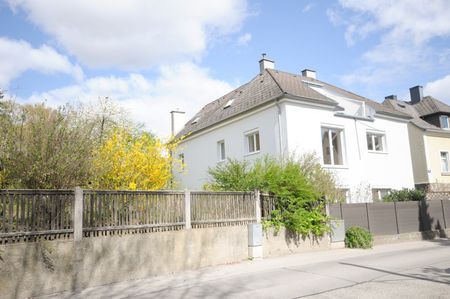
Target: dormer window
{"x":443,"y":120}
{"x":195,"y":120}
{"x":228,"y":104}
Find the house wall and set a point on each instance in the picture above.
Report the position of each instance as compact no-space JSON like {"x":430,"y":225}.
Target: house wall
{"x":363,"y":170}
{"x":418,"y":154}
{"x":435,"y":143}
{"x":201,"y":152}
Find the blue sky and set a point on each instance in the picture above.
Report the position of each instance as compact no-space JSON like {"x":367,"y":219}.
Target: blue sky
{"x":155,"y":56}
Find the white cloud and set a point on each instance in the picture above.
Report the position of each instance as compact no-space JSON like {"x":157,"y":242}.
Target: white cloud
{"x":308,"y":7}
{"x":439,"y":89}
{"x":134,"y":34}
{"x":18,"y":56}
{"x":406,"y":29}
{"x":244,"y":39}
{"x":184,"y":86}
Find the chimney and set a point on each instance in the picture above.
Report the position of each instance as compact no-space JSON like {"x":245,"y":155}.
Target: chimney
{"x":309,"y":73}
{"x":265,"y":63}
{"x":176,"y":121}
{"x":416,"y":93}
{"x":391,"y":97}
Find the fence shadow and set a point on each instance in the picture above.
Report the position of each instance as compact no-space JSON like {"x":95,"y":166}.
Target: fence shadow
{"x":429,"y":226}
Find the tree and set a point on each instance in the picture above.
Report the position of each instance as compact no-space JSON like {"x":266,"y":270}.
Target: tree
{"x":128,"y":160}
{"x":43,"y":147}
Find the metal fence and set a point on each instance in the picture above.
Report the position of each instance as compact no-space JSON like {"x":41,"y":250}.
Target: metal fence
{"x":395,"y":218}
{"x":27,"y":215}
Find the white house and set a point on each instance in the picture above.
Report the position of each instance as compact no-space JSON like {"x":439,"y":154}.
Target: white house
{"x":365,"y":143}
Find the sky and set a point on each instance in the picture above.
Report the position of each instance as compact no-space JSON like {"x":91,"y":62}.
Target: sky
{"x":154,"y":56}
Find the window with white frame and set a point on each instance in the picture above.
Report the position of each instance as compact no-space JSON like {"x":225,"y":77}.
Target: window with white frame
{"x":252,"y":140}
{"x":181,"y":159}
{"x":443,"y":120}
{"x":376,"y":142}
{"x":332,"y":146}
{"x":221,"y":150}
{"x":444,"y":162}
{"x":379,"y":193}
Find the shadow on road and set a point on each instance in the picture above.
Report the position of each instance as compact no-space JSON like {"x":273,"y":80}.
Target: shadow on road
{"x":442,"y":274}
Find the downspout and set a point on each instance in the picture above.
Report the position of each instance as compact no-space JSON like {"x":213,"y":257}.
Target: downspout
{"x":357,"y":139}
{"x":280,"y":137}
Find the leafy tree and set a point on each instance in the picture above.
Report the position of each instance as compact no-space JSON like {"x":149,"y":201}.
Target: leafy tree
{"x":128,"y":160}
{"x":299,"y":205}
{"x":43,"y":147}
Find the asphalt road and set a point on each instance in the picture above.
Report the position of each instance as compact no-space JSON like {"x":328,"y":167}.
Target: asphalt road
{"x":404,"y":270}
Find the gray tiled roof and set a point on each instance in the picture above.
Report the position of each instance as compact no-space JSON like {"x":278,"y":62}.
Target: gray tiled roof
{"x":266,"y":87}
{"x":428,"y":105}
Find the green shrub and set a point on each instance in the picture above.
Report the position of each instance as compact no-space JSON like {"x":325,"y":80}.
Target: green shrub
{"x":358,"y":237}
{"x":300,"y":207}
{"x":405,"y":195}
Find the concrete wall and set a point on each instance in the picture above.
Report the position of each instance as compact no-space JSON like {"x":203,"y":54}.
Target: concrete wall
{"x":31,"y":269}
{"x":362,"y":169}
{"x":283,"y":242}
{"x":201,"y":152}
{"x":28,"y":269}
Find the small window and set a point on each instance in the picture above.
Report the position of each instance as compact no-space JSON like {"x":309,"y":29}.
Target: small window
{"x":221,"y":150}
{"x":195,"y":120}
{"x":253,"y":142}
{"x":332,"y":146}
{"x":228,"y":104}
{"x":181,"y":159}
{"x":379,"y":193}
{"x":375,"y":142}
{"x":443,"y":120}
{"x":444,"y":162}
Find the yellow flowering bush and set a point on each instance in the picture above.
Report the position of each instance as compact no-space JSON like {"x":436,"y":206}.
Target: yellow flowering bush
{"x":133,"y":161}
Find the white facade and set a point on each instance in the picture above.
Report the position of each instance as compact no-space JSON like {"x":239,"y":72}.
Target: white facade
{"x":300,"y":124}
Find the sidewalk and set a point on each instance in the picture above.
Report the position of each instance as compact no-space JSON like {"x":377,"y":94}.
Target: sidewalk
{"x":293,"y":275}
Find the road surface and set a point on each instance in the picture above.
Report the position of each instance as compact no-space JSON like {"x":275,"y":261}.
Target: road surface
{"x":403,"y":270}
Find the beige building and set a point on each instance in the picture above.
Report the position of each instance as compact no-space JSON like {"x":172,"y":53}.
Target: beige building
{"x":429,"y":136}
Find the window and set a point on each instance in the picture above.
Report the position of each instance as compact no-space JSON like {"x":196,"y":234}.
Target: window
{"x":375,"y":142}
{"x":379,"y":194}
{"x":195,"y":120}
{"x":253,"y":142}
{"x":444,"y":161}
{"x":228,"y":104}
{"x":221,"y":150}
{"x":443,"y":120}
{"x":181,"y":159}
{"x":332,"y":146}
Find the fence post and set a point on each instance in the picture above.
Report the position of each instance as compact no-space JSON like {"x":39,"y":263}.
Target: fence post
{"x":396,"y":217}
{"x":257,"y":206}
{"x":78,"y":215}
{"x":368,"y":217}
{"x":187,"y":209}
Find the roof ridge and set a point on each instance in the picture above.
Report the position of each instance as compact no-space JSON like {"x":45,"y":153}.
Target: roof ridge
{"x":269,"y":71}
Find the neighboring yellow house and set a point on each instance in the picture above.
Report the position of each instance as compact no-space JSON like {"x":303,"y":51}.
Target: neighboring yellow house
{"x":429,"y":137}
